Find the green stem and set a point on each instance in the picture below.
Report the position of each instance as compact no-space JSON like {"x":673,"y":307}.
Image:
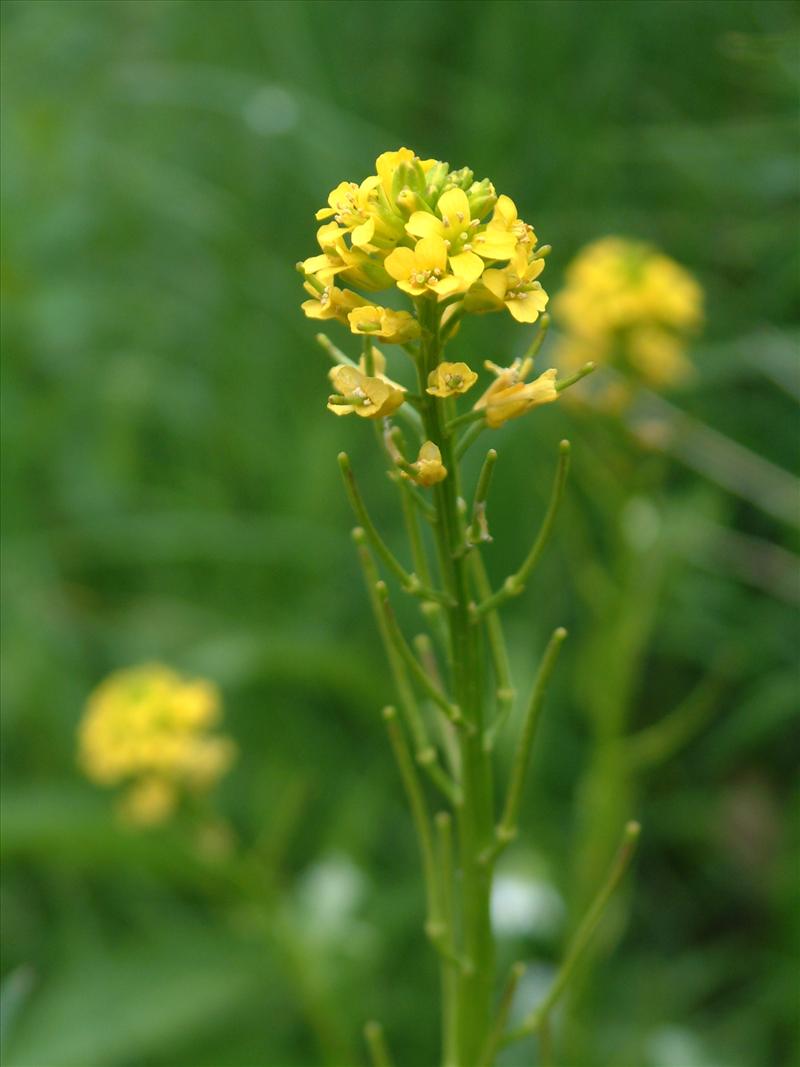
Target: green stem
{"x":507,"y":827}
{"x":583,"y":936}
{"x":498,"y":652}
{"x":409,"y":582}
{"x":503,"y":1011}
{"x":475,"y":815}
{"x":425,"y":752}
{"x":465,"y":419}
{"x":478,"y":529}
{"x":515,"y":583}
{"x":470,"y":435}
{"x":419,"y":814}
{"x":444,"y":830}
{"x":538,"y":340}
{"x":452,"y":711}
{"x":376,"y":1043}
{"x":565,"y":383}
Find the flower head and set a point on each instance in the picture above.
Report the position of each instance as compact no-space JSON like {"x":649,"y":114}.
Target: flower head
{"x":149,"y":728}
{"x":629,"y":305}
{"x":450,"y":379}
{"x":419,"y":224}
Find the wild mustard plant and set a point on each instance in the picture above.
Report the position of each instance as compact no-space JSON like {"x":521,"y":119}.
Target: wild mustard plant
{"x":147,"y":728}
{"x":449,"y":247}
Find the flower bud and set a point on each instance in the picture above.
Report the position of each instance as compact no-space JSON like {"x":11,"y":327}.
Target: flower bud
{"x":460,"y":179}
{"x":482,"y":198}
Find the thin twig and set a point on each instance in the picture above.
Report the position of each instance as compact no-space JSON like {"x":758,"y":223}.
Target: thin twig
{"x":515,"y":583}
{"x":376,"y":1043}
{"x":507,"y":827}
{"x":583,"y":935}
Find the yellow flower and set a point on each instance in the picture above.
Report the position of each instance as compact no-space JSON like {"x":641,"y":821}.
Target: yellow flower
{"x":149,"y":802}
{"x":371,"y":397}
{"x":466,"y":241}
{"x":658,"y":356}
{"x":506,"y":220}
{"x":631,"y":305}
{"x":394,"y":327}
{"x":514,"y":287}
{"x":356,"y":266}
{"x":328,"y":302}
{"x":429,"y":469}
{"x":424,"y":269}
{"x":149,"y":726}
{"x":510,"y":396}
{"x":450,"y":379}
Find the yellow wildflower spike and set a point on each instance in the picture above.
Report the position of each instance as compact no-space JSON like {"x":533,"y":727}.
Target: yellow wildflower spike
{"x":450,"y":379}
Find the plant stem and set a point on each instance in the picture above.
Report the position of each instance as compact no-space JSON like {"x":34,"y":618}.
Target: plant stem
{"x":507,"y":827}
{"x":515,"y":583}
{"x":376,"y":1043}
{"x":475,"y":815}
{"x":583,"y":935}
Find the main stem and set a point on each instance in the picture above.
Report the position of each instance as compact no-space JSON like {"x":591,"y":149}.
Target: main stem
{"x":475,"y":980}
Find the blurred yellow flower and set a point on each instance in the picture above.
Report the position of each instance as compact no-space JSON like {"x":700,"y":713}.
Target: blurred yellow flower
{"x":148,"y":727}
{"x":384,"y":324}
{"x":626,"y":303}
{"x":450,"y":379}
{"x":429,"y":469}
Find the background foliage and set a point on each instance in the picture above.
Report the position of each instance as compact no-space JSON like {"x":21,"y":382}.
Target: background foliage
{"x":171,"y":492}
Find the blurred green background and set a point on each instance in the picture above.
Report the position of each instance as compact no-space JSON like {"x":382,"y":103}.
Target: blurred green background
{"x":171,"y":493}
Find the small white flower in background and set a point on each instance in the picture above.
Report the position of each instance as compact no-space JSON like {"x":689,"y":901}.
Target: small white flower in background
{"x":671,"y":1045}
{"x":330,"y":892}
{"x":525,"y":905}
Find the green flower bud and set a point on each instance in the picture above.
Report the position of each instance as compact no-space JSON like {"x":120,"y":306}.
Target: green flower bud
{"x":482,"y":198}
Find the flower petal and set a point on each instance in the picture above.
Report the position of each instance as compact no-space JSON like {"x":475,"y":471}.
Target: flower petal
{"x":467,"y":266}
{"x":400,"y":263}
{"x":431,"y":253}
{"x":423,"y":224}
{"x":528,"y":306}
{"x":453,"y":206}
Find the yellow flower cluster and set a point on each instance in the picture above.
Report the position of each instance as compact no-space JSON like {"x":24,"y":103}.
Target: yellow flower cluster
{"x":626,"y":303}
{"x":148,"y":727}
{"x":427,"y":229}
